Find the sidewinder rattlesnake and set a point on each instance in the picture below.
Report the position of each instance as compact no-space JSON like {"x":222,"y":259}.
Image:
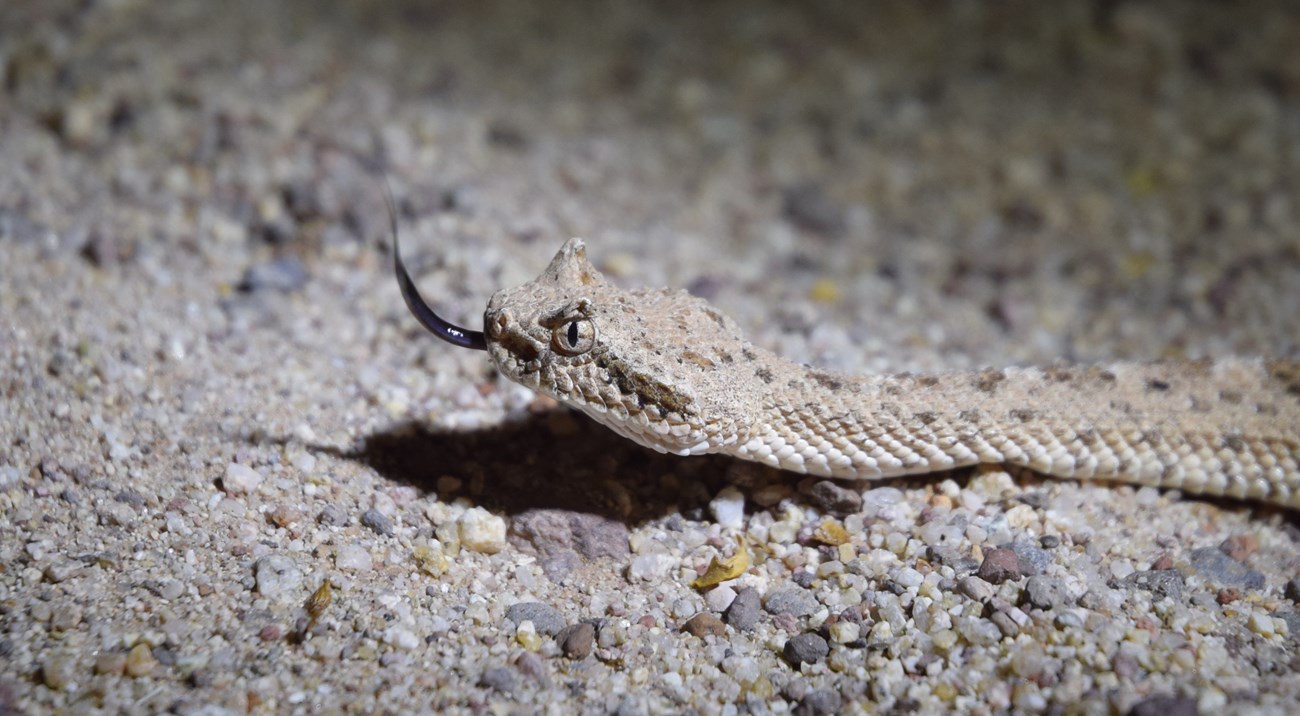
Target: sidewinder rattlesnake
{"x":667,"y":370}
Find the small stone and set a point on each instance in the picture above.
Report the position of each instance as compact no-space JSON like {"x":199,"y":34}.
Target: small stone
{"x":1292,"y":590}
{"x":650,"y":567}
{"x":1223,"y":570}
{"x":728,"y":508}
{"x":277,"y":577}
{"x":378,"y":522}
{"x":240,"y":479}
{"x":285,"y":274}
{"x":353,"y":557}
{"x":845,"y":632}
{"x":545,"y":618}
{"x":808,"y":207}
{"x":1261,"y":624}
{"x":1046,"y":592}
{"x":532,"y":666}
{"x":59,"y":671}
{"x":140,"y":661}
{"x":401,"y":638}
{"x":807,"y":648}
{"x":976,"y":589}
{"x":719,"y":598}
{"x":1000,"y":565}
{"x":62,"y":570}
{"x":819,"y":703}
{"x":743,"y":613}
{"x":501,"y":678}
{"x":1165,"y":706}
{"x":332,"y":516}
{"x":704,"y":624}
{"x":482,"y":531}
{"x":576,"y":640}
{"x":1049,"y":541}
{"x":1163,"y":582}
{"x":110,"y":663}
{"x":1240,"y":547}
{"x":791,"y":599}
{"x":835,"y":499}
{"x":1033,"y":560}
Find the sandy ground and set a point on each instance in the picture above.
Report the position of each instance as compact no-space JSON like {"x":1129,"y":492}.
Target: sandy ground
{"x":236,"y":476}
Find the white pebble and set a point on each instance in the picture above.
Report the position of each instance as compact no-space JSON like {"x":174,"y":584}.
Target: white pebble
{"x":720,"y":598}
{"x":728,"y":508}
{"x":240,"y":479}
{"x":353,"y":557}
{"x":482,"y":531}
{"x":650,"y":567}
{"x":402,"y":638}
{"x":277,"y":577}
{"x":1261,"y":624}
{"x":845,"y":632}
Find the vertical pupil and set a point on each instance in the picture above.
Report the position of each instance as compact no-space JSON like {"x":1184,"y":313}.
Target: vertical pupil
{"x":573,"y":334}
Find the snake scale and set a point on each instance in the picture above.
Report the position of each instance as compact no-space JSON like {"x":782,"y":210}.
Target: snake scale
{"x":670,"y":372}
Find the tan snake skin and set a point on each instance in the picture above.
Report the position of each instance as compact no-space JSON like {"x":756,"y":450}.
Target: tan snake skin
{"x":670,"y":372}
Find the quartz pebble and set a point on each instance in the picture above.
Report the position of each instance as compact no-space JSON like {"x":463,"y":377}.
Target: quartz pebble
{"x":728,"y":508}
{"x":482,"y":531}
{"x":240,"y":479}
{"x":278,"y":577}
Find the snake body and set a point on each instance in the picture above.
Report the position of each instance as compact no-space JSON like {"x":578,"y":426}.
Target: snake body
{"x":669,"y":371}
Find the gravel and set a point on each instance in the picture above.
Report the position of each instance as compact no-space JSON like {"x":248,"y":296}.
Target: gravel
{"x":236,"y":476}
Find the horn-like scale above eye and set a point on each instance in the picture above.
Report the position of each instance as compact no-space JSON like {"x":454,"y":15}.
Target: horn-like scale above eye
{"x":574,"y":337}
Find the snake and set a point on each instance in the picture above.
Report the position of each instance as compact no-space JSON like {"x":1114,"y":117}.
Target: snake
{"x":669,"y":371}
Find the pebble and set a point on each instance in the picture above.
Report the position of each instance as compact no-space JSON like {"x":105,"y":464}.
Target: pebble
{"x":576,"y":640}
{"x":1000,"y":565}
{"x":835,"y":499}
{"x":728,"y":508}
{"x":806,"y":648}
{"x":378,"y":522}
{"x":743,"y":613}
{"x":1165,"y":706}
{"x":332,"y":516}
{"x":277,"y":577}
{"x":819,"y":703}
{"x":845,"y":632}
{"x":286,"y":274}
{"x":140,"y":661}
{"x":1292,"y":590}
{"x":719,"y":598}
{"x":501,"y":678}
{"x":111,"y":663}
{"x":482,"y":531}
{"x":976,"y":589}
{"x":1162,"y":582}
{"x":59,"y":671}
{"x":704,"y":624}
{"x":790,"y":599}
{"x":650,"y":567}
{"x":1221,"y":569}
{"x":1046,"y":592}
{"x":545,"y":618}
{"x":1033,"y":560}
{"x":353,"y":557}
{"x":240,"y":479}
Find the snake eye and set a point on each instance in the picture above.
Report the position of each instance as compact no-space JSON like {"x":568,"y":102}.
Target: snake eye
{"x":574,"y":337}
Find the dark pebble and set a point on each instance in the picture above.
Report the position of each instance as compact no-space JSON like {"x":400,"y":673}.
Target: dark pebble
{"x":576,"y":640}
{"x":1164,"y":582}
{"x":803,"y":578}
{"x":532,"y":666}
{"x":1000,"y":565}
{"x":378,"y":522}
{"x":808,"y":207}
{"x":1292,"y":590}
{"x":743,"y":613}
{"x":819,"y":703}
{"x":1220,"y":569}
{"x":835,"y":499}
{"x":808,"y":648}
{"x":545,"y":618}
{"x":1165,"y":706}
{"x":501,"y":678}
{"x":1049,"y":541}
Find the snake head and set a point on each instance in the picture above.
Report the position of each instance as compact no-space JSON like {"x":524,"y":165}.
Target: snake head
{"x":647,"y":364}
